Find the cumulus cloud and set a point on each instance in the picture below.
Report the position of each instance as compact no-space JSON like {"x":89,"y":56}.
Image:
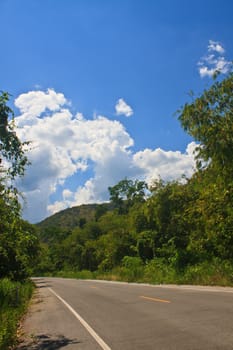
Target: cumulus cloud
{"x":168,"y":165}
{"x":65,"y":146}
{"x":33,"y":103}
{"x":214,"y":61}
{"x":122,"y":108}
{"x":215,"y":46}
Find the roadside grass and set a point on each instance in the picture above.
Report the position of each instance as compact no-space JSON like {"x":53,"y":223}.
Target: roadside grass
{"x":83,"y":274}
{"x":210,"y":273}
{"x":157,"y":271}
{"x":14,"y":298}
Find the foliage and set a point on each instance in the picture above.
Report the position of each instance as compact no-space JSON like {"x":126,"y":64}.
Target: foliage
{"x":146,"y":245}
{"x":11,"y":148}
{"x":18,"y":239}
{"x":209,"y":119}
{"x":132,"y":269}
{"x":18,"y":249}
{"x":127,"y":193}
{"x":70,"y":218}
{"x":159,"y":271}
{"x":210,"y":273}
{"x":83,"y":274}
{"x":14,"y":297}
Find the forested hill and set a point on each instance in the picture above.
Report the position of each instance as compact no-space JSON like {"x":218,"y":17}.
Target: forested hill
{"x":76,"y":216}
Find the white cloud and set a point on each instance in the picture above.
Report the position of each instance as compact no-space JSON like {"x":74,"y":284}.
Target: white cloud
{"x":214,"y":62}
{"x":122,"y":108}
{"x":147,"y":165}
{"x":215,"y":46}
{"x":168,"y":165}
{"x":64,"y":146}
{"x":66,"y":194}
{"x":33,"y":103}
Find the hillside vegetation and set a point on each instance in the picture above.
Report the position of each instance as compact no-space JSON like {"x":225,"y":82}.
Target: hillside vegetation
{"x":178,"y":232}
{"x":72,"y":217}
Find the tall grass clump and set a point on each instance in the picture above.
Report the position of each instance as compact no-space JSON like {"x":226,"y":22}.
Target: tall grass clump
{"x":14,"y":297}
{"x":157,"y":271}
{"x":131,"y":270}
{"x":215,"y":272}
{"x":83,"y":274}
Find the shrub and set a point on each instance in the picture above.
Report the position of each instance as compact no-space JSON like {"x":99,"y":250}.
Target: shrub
{"x":158,"y":271}
{"x":14,"y":297}
{"x":132,"y":269}
{"x":213,"y":272}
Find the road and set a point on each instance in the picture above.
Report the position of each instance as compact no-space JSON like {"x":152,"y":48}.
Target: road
{"x":79,"y":314}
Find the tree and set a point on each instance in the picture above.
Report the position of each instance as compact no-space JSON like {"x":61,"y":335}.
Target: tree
{"x":127,"y":193}
{"x":11,"y":148}
{"x":18,"y":239}
{"x":146,"y":245}
{"x":209,"y":119}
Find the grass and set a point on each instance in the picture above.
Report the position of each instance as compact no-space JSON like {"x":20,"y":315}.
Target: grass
{"x":14,"y":297}
{"x":156,"y":271}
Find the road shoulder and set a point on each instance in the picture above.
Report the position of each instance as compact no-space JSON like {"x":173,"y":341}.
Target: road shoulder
{"x":48,"y":325}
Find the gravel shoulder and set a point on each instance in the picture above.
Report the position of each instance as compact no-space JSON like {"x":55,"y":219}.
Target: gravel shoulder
{"x":48,"y":325}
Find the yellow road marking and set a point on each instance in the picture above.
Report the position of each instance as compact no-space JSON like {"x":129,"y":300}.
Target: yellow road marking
{"x":155,"y":299}
{"x":94,"y":287}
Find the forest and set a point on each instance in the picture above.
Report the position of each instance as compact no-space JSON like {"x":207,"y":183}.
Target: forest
{"x":165,"y":232}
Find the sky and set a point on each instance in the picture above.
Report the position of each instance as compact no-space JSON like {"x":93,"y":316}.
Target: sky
{"x":95,"y":86}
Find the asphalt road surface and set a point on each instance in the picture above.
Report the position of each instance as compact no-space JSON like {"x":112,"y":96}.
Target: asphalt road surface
{"x":88,"y":315}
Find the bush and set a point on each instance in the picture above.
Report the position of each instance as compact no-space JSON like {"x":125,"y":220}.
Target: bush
{"x":213,"y":272}
{"x":158,"y":271}
{"x":84,"y":274}
{"x":14,"y":297}
{"x":132,"y":269}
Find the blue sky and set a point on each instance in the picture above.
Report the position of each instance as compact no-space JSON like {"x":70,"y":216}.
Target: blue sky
{"x":95,"y":85}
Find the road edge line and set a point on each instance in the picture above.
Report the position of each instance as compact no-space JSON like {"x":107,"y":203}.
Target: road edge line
{"x":97,"y":338}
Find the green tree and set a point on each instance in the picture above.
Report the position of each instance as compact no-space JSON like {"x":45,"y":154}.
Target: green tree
{"x":11,"y":148}
{"x":18,"y":239}
{"x":146,"y":245}
{"x":209,"y":119}
{"x":169,"y":223}
{"x":127,"y":193}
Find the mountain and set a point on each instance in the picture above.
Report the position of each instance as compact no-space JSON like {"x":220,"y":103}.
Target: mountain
{"x":72,"y":217}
